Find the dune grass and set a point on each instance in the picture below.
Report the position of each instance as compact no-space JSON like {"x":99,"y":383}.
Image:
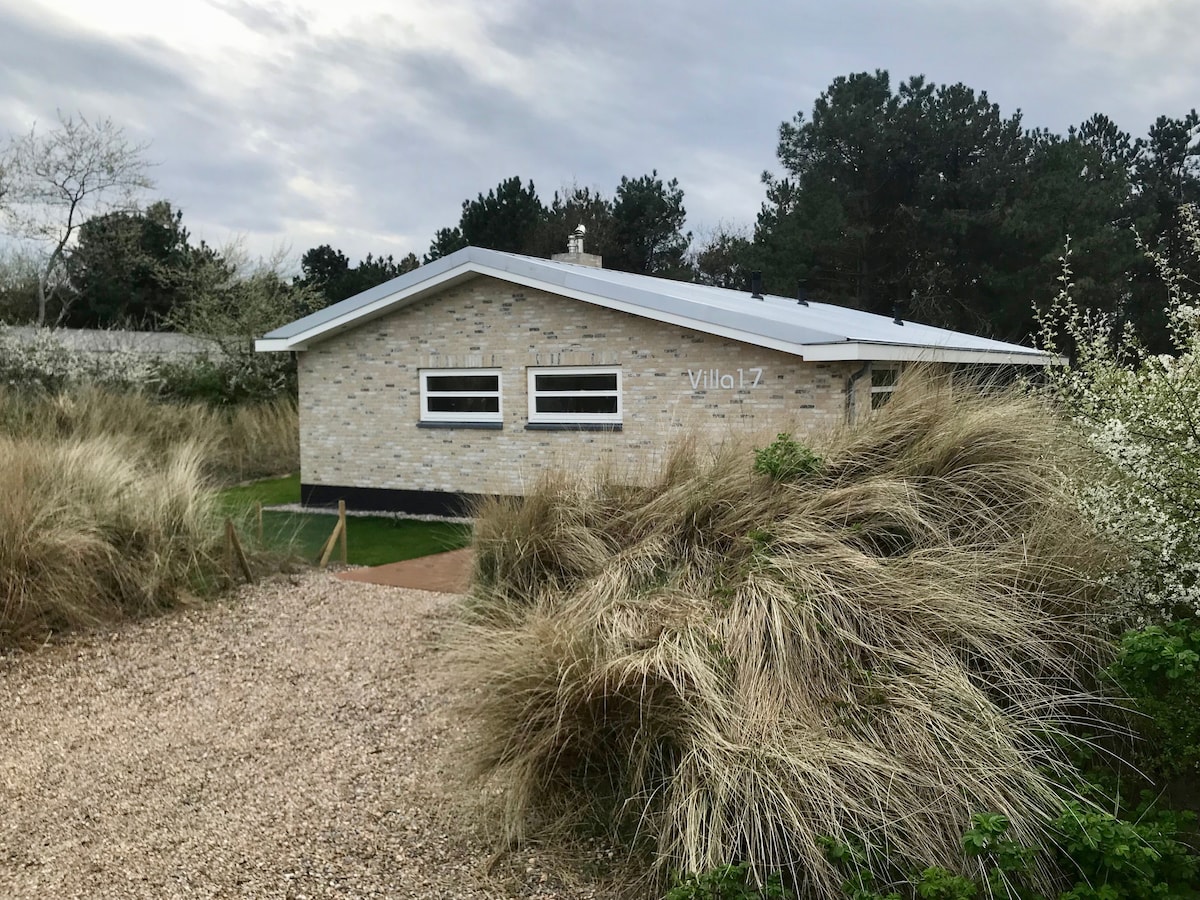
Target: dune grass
{"x":95,"y":529}
{"x":722,"y":667}
{"x":235,"y":444}
{"x":109,"y":504}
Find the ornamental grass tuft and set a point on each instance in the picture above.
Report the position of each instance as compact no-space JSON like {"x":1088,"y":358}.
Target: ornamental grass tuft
{"x":251,"y":440}
{"x":719,"y":666}
{"x":94,"y":530}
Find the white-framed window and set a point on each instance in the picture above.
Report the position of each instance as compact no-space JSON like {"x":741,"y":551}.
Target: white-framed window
{"x":575,"y":395}
{"x":883,"y":383}
{"x":460,"y":395}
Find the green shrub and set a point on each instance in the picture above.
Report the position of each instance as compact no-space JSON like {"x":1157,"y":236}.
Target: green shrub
{"x":1158,"y":667}
{"x":1095,"y":856}
{"x":225,"y":381}
{"x":785,"y":459}
{"x":728,"y":882}
{"x":1119,"y":859}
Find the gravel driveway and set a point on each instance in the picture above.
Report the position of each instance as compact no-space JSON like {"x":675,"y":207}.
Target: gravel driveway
{"x":296,"y":741}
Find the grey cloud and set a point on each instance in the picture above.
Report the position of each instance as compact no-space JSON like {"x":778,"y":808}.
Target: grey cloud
{"x":696,"y":90}
{"x":50,"y":68}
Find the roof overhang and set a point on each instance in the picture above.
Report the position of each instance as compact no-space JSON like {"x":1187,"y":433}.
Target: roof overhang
{"x":753,"y":324}
{"x":866,"y":351}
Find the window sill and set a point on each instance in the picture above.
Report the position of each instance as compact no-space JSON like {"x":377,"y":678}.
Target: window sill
{"x":573,"y":426}
{"x":478,"y":426}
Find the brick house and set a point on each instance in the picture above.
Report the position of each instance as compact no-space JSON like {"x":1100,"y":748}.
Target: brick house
{"x":471,"y":374}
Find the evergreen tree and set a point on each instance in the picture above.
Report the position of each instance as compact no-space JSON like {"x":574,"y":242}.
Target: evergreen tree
{"x":506,"y":219}
{"x":330,"y":273}
{"x":131,"y":268}
{"x":445,"y":241}
{"x":648,"y":217}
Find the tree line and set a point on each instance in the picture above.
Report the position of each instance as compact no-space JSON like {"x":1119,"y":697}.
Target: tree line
{"x":921,"y":199}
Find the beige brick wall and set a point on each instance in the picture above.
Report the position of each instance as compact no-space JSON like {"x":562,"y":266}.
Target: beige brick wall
{"x":360,"y":391}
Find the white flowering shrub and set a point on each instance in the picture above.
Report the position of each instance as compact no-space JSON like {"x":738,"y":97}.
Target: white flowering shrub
{"x":1142,"y":413}
{"x":233,"y":303}
{"x":37,"y":359}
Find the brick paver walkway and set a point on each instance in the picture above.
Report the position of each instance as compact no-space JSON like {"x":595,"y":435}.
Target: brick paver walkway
{"x":447,"y":573}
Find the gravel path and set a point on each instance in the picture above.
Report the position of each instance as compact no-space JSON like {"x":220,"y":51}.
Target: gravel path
{"x":296,"y":741}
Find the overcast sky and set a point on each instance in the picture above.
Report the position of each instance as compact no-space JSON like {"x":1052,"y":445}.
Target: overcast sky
{"x":365,"y":123}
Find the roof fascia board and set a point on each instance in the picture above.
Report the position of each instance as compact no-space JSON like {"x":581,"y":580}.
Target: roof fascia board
{"x":863,"y":351}
{"x":273,"y":345}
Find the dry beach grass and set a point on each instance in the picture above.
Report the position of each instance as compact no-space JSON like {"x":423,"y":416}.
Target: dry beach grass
{"x":724,"y":667}
{"x":109,"y":510}
{"x":295,"y":741}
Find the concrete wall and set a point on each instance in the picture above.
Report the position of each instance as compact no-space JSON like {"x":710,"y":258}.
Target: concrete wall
{"x":360,"y":403}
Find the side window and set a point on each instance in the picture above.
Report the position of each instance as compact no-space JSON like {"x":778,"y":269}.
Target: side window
{"x":575,"y":396}
{"x":460,"y":395}
{"x":883,"y":382}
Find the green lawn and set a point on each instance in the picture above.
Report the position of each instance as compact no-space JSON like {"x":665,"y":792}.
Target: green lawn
{"x":268,"y":492}
{"x":371,"y":540}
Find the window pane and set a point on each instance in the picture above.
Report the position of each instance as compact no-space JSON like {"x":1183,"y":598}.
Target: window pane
{"x":582,"y":404}
{"x":600,"y":381}
{"x":464,"y":404}
{"x":884,"y":377}
{"x":464,"y":383}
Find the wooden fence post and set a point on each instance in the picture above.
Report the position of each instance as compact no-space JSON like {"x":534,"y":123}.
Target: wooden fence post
{"x":336,"y":538}
{"x":342,"y":522}
{"x":234,"y":549}
{"x":330,"y":543}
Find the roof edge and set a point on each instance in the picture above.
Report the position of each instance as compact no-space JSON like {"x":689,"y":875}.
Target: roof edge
{"x":809,"y":342}
{"x":867,"y":350}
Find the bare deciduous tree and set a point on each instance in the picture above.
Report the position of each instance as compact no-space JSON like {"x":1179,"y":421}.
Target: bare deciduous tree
{"x":58,"y":179}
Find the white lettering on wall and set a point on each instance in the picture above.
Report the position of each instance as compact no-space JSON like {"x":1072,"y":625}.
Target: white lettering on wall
{"x":711,"y":379}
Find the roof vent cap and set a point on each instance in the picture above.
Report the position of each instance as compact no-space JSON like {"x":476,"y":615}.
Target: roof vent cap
{"x":575,"y":241}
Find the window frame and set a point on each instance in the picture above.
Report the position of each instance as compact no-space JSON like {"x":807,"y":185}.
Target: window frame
{"x":460,"y":418}
{"x":883,"y":391}
{"x":577,"y":418}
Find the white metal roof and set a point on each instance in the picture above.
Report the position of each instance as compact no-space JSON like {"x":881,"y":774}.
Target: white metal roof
{"x":818,"y":331}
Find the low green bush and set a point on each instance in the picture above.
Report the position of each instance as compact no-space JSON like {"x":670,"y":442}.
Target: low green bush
{"x":1158,"y":667}
{"x":1092,"y":854}
{"x":728,"y":882}
{"x":225,"y":381}
{"x":786,"y":459}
